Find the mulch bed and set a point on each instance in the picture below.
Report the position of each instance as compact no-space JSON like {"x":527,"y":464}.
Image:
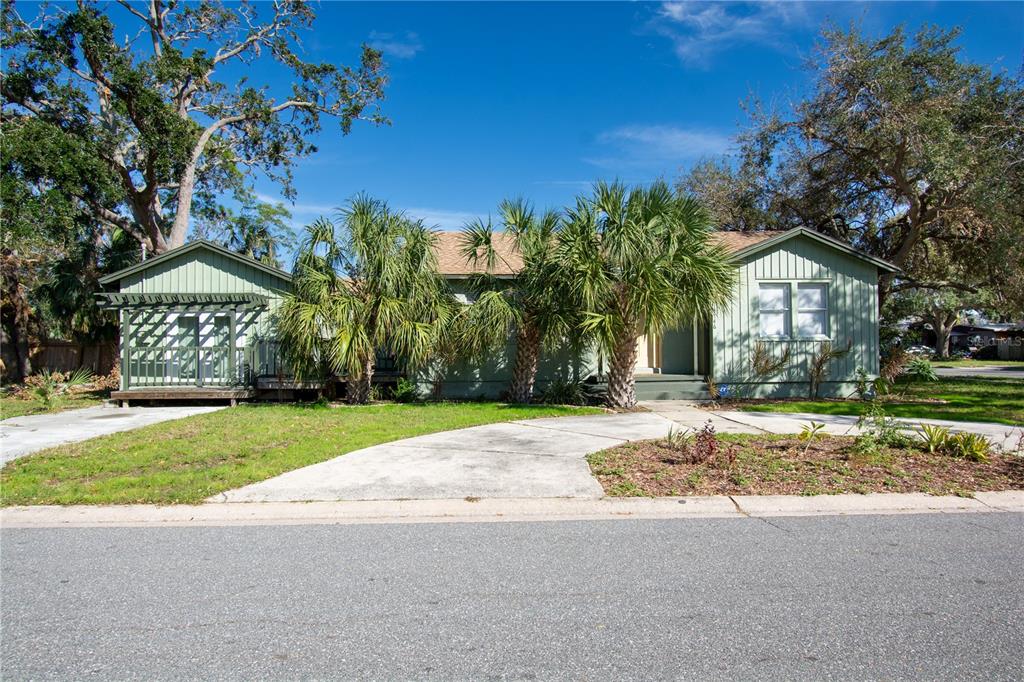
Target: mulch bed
{"x":778,"y":465}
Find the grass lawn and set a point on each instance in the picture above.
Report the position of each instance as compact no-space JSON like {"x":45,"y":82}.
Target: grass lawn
{"x":977,"y":363}
{"x":16,"y":407}
{"x":778,"y":465}
{"x":187,"y":460}
{"x":976,"y":399}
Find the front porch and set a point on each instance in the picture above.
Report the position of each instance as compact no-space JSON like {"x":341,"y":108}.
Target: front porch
{"x":672,"y":365}
{"x":188,"y":346}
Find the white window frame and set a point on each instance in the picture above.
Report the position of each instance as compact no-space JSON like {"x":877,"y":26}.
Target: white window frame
{"x":825,"y":335}
{"x":786,"y":310}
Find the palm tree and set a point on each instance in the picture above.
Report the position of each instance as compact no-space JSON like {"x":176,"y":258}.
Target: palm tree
{"x":366,"y":284}
{"x":534,"y":306}
{"x":641,"y":263}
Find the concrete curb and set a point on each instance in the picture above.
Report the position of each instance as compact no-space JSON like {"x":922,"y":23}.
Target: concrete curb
{"x":498,"y":509}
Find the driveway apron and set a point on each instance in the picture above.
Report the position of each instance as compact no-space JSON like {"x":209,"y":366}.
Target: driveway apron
{"x":20,"y":436}
{"x":530,"y":458}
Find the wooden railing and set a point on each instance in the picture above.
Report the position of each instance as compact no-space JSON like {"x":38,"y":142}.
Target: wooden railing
{"x":265,"y":360}
{"x":176,"y":366}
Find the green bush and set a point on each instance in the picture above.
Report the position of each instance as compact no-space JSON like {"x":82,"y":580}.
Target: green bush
{"x":971,"y":446}
{"x":405,"y":391}
{"x":885,"y":430}
{"x":566,"y":392}
{"x":935,"y":438}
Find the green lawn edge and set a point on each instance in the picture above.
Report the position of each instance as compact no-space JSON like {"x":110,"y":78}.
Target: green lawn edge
{"x":11,"y":407}
{"x":976,"y":399}
{"x":188,"y":460}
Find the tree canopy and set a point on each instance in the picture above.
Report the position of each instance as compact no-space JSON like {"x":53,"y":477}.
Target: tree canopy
{"x":138,"y":134}
{"x":901,"y":148}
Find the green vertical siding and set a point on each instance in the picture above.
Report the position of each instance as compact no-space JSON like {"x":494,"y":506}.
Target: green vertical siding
{"x":852,"y":309}
{"x":201,"y":271}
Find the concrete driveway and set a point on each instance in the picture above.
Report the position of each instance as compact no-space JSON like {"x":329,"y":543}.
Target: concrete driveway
{"x":20,"y":436}
{"x":530,"y":458}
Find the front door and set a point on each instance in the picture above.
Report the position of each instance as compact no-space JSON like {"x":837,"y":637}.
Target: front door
{"x":187,"y":349}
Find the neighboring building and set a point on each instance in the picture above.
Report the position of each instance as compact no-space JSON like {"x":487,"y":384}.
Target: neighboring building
{"x":197,"y":321}
{"x":981,"y":334}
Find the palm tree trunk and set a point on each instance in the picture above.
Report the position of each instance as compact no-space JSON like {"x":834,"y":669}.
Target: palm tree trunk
{"x":524,"y":371}
{"x":358,"y":389}
{"x":621,"y":368}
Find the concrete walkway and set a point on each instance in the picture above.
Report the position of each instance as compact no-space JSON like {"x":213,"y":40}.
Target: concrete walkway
{"x":20,"y":436}
{"x":524,"y":459}
{"x":687,"y":414}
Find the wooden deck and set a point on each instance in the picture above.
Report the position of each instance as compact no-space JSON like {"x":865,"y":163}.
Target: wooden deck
{"x":231,"y":395}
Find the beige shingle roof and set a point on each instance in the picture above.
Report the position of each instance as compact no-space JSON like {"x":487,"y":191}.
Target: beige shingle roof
{"x":451,"y":262}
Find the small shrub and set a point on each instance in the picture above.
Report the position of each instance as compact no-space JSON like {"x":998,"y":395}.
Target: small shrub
{"x":986,"y":353}
{"x":712,"y":386}
{"x":765,"y":363}
{"x":111,"y":381}
{"x":678,"y":439}
{"x":700,"y":447}
{"x":863,"y":386}
{"x":50,"y":388}
{"x":566,"y":392}
{"x":970,"y":446}
{"x":818,"y":366}
{"x":809,"y":433}
{"x":866,"y":446}
{"x":705,"y":443}
{"x":893,"y":364}
{"x":883,"y":428}
{"x":920,"y":369}
{"x":934,"y":438}
{"x":405,"y":391}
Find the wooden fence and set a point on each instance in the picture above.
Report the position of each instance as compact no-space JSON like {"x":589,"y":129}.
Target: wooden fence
{"x":67,"y":356}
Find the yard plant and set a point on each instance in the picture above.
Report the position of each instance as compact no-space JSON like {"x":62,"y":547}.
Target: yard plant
{"x":535,"y":308}
{"x":364,"y":284}
{"x":641,"y":263}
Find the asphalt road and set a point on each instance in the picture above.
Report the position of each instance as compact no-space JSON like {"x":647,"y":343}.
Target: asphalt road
{"x":898,"y":597}
{"x":1014,"y":371}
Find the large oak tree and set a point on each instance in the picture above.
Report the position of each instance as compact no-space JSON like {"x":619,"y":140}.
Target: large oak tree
{"x":902,"y":148}
{"x":141,"y":115}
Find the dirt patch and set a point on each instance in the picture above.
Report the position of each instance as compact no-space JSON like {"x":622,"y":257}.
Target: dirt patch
{"x":780,"y":465}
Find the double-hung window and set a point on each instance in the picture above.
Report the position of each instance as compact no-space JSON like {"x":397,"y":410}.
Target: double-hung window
{"x":812,"y":310}
{"x":774,"y":308}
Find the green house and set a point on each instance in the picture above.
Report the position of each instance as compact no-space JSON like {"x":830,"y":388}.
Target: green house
{"x":198,"y":322}
{"x":795,"y":291}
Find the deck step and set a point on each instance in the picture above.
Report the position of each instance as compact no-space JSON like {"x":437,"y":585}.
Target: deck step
{"x":664,"y":387}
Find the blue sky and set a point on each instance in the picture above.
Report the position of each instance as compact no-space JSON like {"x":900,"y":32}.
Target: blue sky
{"x":497,"y":100}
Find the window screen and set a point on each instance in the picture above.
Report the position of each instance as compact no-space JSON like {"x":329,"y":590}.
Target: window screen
{"x":812,"y":310}
{"x":773,"y":304}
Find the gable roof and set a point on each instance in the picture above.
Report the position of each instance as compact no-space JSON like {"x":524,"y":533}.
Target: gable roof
{"x":198,"y":244}
{"x":451,"y":262}
{"x":779,"y":237}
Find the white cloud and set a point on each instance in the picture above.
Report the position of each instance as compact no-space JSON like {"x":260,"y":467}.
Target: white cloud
{"x":698,"y":30}
{"x":398,"y":46}
{"x":657,"y":145}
